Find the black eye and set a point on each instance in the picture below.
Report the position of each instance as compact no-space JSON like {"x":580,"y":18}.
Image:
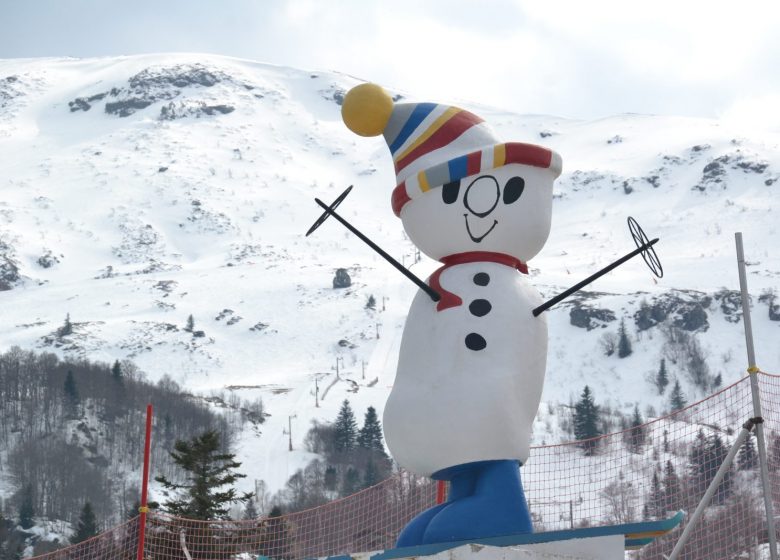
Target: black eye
{"x":513,"y":189}
{"x":449,"y":192}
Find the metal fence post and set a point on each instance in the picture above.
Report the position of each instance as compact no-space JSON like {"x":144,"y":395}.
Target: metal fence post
{"x":753,"y":370}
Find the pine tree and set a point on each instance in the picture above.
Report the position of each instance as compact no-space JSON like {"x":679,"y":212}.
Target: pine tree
{"x":655,"y":501}
{"x":637,"y":435}
{"x":66,"y":328}
{"x":716,"y":454}
{"x":116,"y":371}
{"x":71,"y":395}
{"x":250,"y":511}
{"x":190,"y":324}
{"x":330,"y":478}
{"x":677,"y":399}
{"x":207,"y":470}
{"x":370,"y":435}
{"x":345,"y":436}
{"x":351,"y":482}
{"x":371,"y":302}
{"x":697,"y":463}
{"x":87,"y":525}
{"x":662,"y":377}
{"x":371,"y":475}
{"x":586,"y":417}
{"x":624,"y":344}
{"x":26,"y":508}
{"x":747,"y":458}
{"x":671,"y":488}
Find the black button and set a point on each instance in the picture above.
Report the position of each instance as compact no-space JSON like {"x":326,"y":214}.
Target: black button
{"x":481,"y":279}
{"x":475,"y":342}
{"x":480,"y":307}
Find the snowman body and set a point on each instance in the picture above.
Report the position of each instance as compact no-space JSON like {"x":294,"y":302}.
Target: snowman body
{"x":470,"y":373}
{"x":469,"y":377}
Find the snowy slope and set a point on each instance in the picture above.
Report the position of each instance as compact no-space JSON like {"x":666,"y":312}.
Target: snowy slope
{"x":136,"y":191}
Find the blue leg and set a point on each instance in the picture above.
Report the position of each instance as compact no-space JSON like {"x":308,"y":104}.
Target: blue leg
{"x":496,"y":507}
{"x":412,"y":534}
{"x":461,"y":485}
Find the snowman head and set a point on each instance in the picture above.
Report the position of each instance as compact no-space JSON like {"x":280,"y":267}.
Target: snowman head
{"x":459,"y":189}
{"x":503,"y":210}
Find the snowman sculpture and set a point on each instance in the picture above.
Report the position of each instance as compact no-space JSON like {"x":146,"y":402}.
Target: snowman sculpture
{"x":472,"y":364}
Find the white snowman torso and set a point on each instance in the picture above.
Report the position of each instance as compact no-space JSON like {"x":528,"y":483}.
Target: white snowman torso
{"x":470,"y":376}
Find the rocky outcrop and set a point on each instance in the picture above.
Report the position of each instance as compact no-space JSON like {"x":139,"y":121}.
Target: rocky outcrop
{"x":686,"y":309}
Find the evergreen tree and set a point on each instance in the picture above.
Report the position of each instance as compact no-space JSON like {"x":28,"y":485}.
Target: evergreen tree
{"x":86,"y":528}
{"x":624,"y":344}
{"x":250,"y":511}
{"x":345,"y":436}
{"x":637,"y":435}
{"x":677,"y":399}
{"x":116,"y":371}
{"x":747,"y":458}
{"x":662,"y":377}
{"x":371,"y":475}
{"x":26,"y":508}
{"x":671,"y":488}
{"x":655,"y":501}
{"x":707,"y":455}
{"x":330,"y":478}
{"x":371,"y":302}
{"x":370,"y":436}
{"x":190,"y":324}
{"x":586,"y":417}
{"x":207,"y":471}
{"x":71,"y":395}
{"x":351,"y":482}
{"x":716,"y":454}
{"x":66,"y":328}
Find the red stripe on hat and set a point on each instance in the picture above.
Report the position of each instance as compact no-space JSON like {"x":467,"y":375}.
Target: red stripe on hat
{"x":528,"y":154}
{"x":453,"y":128}
{"x":473,"y":162}
{"x":399,"y":198}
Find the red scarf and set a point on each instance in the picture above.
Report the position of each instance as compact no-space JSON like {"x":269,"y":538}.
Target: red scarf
{"x":448,"y":299}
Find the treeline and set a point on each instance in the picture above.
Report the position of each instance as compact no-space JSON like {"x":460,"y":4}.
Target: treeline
{"x":72,"y":432}
{"x":352,"y":459}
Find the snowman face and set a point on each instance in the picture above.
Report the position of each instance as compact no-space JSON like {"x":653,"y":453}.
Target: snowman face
{"x":504,"y":210}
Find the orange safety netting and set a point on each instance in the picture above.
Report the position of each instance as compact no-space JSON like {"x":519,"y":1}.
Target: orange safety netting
{"x":641,"y":473}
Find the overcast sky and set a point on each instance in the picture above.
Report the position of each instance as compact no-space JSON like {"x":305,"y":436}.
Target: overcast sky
{"x":576,"y":58}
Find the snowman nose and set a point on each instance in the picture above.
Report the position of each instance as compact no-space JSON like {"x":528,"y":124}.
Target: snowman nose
{"x":482,"y":196}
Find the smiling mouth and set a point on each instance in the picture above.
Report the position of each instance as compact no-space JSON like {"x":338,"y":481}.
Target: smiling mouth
{"x":481,"y":237}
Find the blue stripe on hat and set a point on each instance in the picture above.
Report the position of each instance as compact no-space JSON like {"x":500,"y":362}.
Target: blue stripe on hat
{"x":458,"y":167}
{"x":421,"y":111}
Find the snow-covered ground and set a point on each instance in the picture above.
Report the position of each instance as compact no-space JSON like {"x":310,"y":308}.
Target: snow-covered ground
{"x":196,"y":204}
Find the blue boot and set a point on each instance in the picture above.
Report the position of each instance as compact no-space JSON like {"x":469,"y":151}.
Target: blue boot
{"x":486,"y":500}
{"x":462,"y":484}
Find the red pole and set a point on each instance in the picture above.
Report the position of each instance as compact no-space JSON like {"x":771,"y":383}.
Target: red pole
{"x":145,"y":483}
{"x":441,"y":492}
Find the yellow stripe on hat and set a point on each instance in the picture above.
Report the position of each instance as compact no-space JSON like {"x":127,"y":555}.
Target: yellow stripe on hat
{"x":499,"y":155}
{"x":437,"y":124}
{"x":422,"y":178}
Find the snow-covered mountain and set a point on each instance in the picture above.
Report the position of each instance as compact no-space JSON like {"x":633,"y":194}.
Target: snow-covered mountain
{"x":137,"y":191}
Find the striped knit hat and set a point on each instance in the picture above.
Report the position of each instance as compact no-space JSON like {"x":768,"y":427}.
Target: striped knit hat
{"x":433,"y":144}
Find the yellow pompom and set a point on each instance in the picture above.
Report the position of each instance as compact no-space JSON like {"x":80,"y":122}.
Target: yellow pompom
{"x":367,"y":109}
